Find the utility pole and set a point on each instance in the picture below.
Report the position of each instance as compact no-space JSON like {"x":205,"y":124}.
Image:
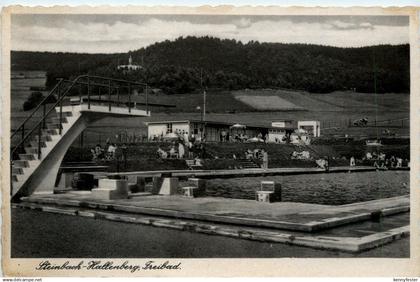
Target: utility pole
{"x":203,"y":115}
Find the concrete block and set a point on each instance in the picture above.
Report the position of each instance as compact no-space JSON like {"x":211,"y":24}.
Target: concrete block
{"x":265,"y":196}
{"x":132,"y":187}
{"x":111,"y":189}
{"x":190,"y":191}
{"x":131,"y":178}
{"x":271,"y":186}
{"x":83,"y":181}
{"x":141,"y":183}
{"x":66,"y":180}
{"x":113,"y":184}
{"x":199,"y":183}
{"x":169,"y":186}
{"x":157,"y":184}
{"x":108,"y":194}
{"x":267,"y":186}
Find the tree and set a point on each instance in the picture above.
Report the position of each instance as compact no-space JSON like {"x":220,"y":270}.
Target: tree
{"x":35,"y":99}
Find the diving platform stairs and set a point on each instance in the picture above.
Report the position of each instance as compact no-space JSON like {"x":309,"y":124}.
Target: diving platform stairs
{"x":39,"y":144}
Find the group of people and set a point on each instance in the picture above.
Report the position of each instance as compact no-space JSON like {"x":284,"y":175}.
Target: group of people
{"x":245,"y":138}
{"x":257,"y":154}
{"x":179,"y":150}
{"x":382,"y":161}
{"x":99,"y":153}
{"x":173,"y":153}
{"x":304,"y":155}
{"x":323,"y":163}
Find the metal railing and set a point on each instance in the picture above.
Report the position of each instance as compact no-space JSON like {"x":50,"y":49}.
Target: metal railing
{"x":36,"y":122}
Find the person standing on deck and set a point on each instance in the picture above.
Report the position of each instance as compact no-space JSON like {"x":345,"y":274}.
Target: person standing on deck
{"x":181,"y":150}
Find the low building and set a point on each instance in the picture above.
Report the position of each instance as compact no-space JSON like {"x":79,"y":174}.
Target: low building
{"x":214,"y":131}
{"x":284,"y":123}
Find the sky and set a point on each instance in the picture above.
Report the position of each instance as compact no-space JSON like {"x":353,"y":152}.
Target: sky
{"x":122,"y":33}
{"x":307,"y":3}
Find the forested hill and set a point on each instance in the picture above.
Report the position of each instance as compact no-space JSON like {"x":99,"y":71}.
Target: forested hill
{"x":175,"y":65}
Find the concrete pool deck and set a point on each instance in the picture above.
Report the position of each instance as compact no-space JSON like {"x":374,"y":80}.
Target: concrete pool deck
{"x":231,"y":173}
{"x":353,"y":238}
{"x":292,"y":216}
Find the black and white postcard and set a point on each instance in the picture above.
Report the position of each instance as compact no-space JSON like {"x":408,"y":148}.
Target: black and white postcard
{"x":210,"y":141}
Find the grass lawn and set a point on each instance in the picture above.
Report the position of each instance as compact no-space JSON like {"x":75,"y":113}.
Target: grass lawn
{"x":334,"y":110}
{"x":268,"y":103}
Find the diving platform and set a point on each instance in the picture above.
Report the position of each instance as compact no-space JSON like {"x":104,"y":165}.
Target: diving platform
{"x":43,"y":139}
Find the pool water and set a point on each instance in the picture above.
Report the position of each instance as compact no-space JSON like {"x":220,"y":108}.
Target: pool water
{"x":327,"y":189}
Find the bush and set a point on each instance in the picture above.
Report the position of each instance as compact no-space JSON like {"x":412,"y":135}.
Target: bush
{"x":34,"y":99}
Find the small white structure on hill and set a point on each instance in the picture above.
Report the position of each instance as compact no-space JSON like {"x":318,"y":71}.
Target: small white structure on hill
{"x":313,"y":127}
{"x":130,"y":65}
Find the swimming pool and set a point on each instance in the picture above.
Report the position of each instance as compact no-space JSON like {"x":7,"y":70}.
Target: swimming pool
{"x":328,"y":188}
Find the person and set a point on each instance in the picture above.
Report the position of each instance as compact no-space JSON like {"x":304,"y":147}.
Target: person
{"x":382,"y":156}
{"x":186,"y":137}
{"x":202,"y":151}
{"x":94,"y":156}
{"x":181,"y":150}
{"x":197,"y":161}
{"x":172,"y":152}
{"x":320,"y":163}
{"x":248,"y":154}
{"x":265,"y":159}
{"x":256,"y":154}
{"x":327,"y":163}
{"x":223,"y":133}
{"x":399,"y":162}
{"x":99,"y":152}
{"x":190,"y":150}
{"x":111,"y":150}
{"x":161,"y":153}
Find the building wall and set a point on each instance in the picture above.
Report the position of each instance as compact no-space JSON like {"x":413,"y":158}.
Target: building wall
{"x":181,"y":127}
{"x":161,"y":129}
{"x":282,"y":123}
{"x":276,"y":136}
{"x":156,"y":130}
{"x":313,"y":127}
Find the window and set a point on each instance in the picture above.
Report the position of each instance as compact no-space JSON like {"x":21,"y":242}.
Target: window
{"x":169,"y":128}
